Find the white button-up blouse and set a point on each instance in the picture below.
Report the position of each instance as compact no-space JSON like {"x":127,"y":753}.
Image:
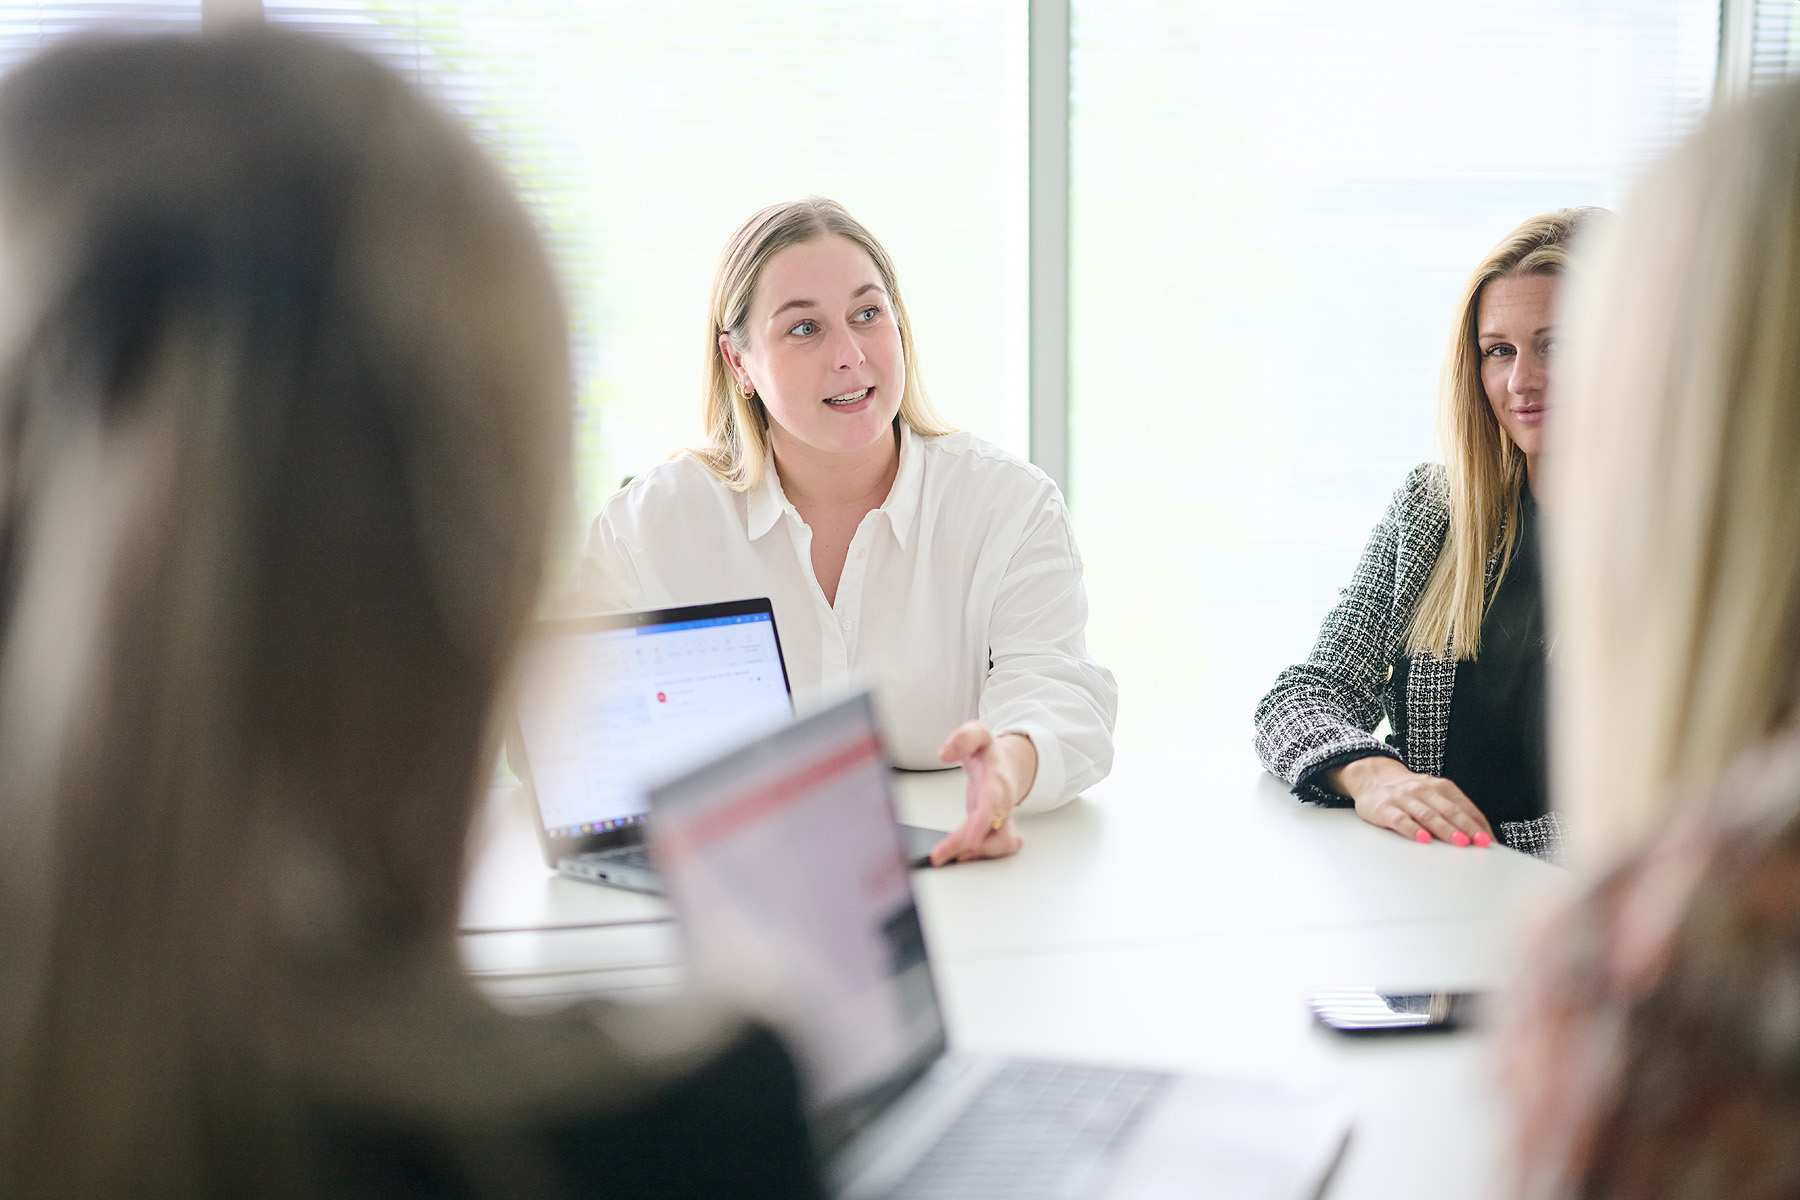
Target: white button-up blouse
{"x":961,"y":596}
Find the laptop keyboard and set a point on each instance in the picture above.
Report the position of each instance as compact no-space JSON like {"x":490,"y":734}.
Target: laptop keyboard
{"x":1034,"y":1130}
{"x":635,"y":855}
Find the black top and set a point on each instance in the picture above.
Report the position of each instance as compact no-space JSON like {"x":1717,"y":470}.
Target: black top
{"x":1494,"y":750}
{"x":1494,"y":747}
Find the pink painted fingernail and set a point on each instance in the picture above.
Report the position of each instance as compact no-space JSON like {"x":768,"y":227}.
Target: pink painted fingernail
{"x":1422,"y":837}
{"x":1460,"y":838}
{"x":1483,"y":840}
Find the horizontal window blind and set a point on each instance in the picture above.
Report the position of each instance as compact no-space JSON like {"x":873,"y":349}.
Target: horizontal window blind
{"x":25,"y":28}
{"x":1774,"y":42}
{"x":642,"y":134}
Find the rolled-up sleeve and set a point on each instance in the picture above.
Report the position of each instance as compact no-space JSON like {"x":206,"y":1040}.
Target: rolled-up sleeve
{"x":1042,"y":681}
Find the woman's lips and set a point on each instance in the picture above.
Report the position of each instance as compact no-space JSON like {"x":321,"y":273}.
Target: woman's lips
{"x":1530,"y":414}
{"x":852,"y":402}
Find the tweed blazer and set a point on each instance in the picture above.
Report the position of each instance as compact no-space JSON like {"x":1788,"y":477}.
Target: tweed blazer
{"x":1323,"y":711}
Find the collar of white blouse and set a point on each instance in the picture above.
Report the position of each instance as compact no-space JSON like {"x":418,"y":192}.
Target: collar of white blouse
{"x":767,"y":502}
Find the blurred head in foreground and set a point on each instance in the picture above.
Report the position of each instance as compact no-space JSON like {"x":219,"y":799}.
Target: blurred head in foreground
{"x":1677,"y":479}
{"x":283,"y":406}
{"x":1655,"y":1047}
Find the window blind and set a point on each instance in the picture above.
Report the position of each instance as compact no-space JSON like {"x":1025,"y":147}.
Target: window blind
{"x":25,"y":28}
{"x":1774,"y":42}
{"x":642,"y":134}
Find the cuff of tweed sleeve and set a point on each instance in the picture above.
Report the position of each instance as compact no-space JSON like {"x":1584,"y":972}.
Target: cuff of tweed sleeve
{"x":1311,"y":788}
{"x":1545,"y":838}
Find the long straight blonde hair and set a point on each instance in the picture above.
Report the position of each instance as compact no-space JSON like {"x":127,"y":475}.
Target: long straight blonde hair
{"x":284,"y":404}
{"x":1676,"y":550}
{"x":1483,"y":469}
{"x":737,"y":426}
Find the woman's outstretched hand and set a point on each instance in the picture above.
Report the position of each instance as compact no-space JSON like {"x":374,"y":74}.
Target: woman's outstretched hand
{"x":1000,"y":771}
{"x":1421,"y":807}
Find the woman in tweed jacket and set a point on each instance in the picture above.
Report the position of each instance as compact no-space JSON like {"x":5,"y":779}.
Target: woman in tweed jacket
{"x":1453,"y":562}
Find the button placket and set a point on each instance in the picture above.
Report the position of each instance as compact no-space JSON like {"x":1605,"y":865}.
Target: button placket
{"x":834,"y":653}
{"x":850,"y":584}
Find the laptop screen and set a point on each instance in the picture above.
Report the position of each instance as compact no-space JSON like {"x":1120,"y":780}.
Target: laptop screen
{"x":785,"y":866}
{"x":607,"y":705}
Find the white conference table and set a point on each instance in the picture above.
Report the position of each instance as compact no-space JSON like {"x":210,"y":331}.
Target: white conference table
{"x":1162,"y":920}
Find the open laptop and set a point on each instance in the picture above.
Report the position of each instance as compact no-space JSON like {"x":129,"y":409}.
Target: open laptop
{"x":787,"y":874}
{"x":608,"y":703}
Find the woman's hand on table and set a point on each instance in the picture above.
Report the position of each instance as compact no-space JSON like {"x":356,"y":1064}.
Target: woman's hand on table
{"x":1000,"y":771}
{"x":1420,"y":807}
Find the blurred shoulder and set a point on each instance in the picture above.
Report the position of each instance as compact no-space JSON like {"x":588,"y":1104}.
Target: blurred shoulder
{"x":1676,"y":966}
{"x":963,"y":462}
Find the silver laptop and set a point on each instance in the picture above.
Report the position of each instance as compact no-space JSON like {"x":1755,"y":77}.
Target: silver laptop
{"x":786,"y":869}
{"x":606,"y":704}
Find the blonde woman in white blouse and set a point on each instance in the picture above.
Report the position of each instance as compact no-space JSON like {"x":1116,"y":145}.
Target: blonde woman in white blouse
{"x":895,"y":550}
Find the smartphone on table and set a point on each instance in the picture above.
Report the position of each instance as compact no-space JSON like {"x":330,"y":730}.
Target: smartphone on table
{"x":1373,"y":1011}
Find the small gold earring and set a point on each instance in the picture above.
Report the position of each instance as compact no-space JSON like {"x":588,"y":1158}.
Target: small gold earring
{"x":748,"y":393}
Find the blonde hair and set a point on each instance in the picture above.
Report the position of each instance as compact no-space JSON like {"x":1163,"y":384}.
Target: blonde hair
{"x":1483,"y":469}
{"x":1676,"y":553}
{"x":284,"y":404}
{"x":737,"y":426}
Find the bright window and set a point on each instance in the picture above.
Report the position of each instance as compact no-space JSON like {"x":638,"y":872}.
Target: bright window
{"x":1273,"y":206}
{"x":643,"y":133}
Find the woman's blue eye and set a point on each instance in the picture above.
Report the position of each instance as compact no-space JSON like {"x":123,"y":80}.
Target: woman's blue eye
{"x":1493,"y":351}
{"x":805,"y":329}
{"x":868,"y":314}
